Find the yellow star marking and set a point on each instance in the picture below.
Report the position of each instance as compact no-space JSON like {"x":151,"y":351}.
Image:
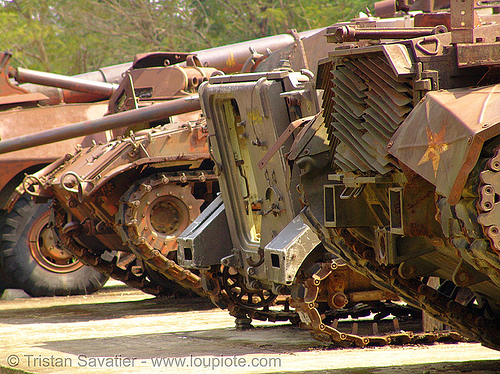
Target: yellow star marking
{"x":231,"y":61}
{"x":436,"y":147}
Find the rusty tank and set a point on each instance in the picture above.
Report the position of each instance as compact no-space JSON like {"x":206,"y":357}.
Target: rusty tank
{"x":253,"y":245}
{"x":143,"y":188}
{"x":30,"y":258}
{"x":151,"y":79}
{"x":398,"y":175}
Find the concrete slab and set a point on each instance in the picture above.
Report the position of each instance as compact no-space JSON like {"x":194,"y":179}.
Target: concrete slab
{"x":121,"y":330}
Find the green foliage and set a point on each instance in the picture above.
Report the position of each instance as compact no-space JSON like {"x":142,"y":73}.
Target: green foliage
{"x":72,"y":37}
{"x":233,"y":21}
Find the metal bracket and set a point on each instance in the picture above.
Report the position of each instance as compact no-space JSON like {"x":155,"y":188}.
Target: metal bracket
{"x":465,"y":275}
{"x":351,"y":192}
{"x":282,"y":139}
{"x":356,"y":182}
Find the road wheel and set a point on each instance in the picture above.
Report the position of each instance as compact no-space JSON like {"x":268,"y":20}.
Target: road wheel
{"x":34,"y":262}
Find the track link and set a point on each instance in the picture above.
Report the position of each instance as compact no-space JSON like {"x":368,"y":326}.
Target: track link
{"x":470,"y":321}
{"x":312,"y":319}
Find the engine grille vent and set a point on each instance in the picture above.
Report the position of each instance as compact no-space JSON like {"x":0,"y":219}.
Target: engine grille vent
{"x":364,"y":104}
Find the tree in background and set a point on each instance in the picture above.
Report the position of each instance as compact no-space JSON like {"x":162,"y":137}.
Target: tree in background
{"x":28,"y":32}
{"x":72,"y":37}
{"x":233,"y":21}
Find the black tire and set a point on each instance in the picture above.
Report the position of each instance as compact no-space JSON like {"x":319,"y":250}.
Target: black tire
{"x":3,"y":286}
{"x":5,"y":281}
{"x":28,"y":264}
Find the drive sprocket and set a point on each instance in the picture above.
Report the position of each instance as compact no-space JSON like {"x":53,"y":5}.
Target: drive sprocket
{"x":154,"y":212}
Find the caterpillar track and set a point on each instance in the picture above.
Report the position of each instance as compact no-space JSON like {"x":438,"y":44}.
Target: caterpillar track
{"x":139,"y":247}
{"x":325,"y":326}
{"x":279,"y":310}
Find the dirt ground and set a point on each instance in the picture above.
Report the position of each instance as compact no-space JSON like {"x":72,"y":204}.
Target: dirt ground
{"x":121,"y":330}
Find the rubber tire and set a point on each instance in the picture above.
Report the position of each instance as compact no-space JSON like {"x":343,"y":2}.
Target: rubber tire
{"x":24,"y":271}
{"x":3,"y":287}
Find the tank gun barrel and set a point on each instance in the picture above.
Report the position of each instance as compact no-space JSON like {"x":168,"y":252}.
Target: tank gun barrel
{"x":148,"y":114}
{"x":228,"y":58}
{"x":340,"y":34}
{"x":62,"y":81}
{"x":231,"y":58}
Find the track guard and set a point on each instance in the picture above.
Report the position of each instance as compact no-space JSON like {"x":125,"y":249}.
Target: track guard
{"x":207,"y":240}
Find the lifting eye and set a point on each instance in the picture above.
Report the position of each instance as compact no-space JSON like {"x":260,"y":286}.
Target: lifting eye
{"x":275,"y":260}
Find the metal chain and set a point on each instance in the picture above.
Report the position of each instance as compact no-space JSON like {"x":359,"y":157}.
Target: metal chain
{"x":468,"y":320}
{"x":312,"y":319}
{"x":306,"y":309}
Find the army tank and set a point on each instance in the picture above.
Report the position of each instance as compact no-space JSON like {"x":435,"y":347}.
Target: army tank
{"x":153,"y":78}
{"x":257,"y":122}
{"x":28,"y":257}
{"x":96,"y":191}
{"x":399,"y":178}
{"x":32,"y":101}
